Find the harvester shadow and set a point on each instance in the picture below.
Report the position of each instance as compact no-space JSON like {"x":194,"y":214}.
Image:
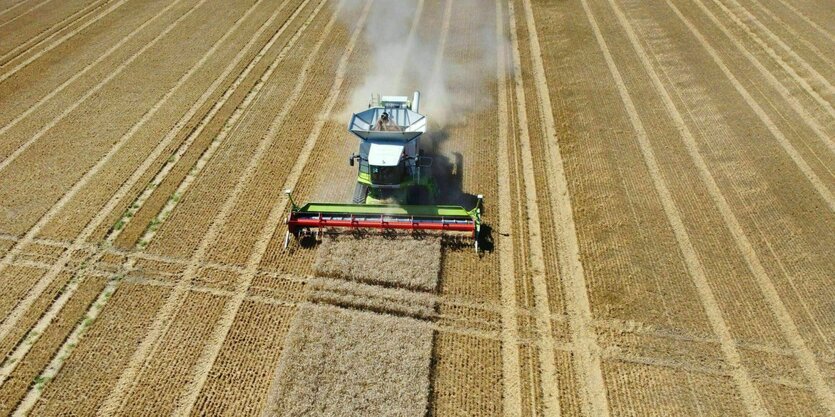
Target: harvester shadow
{"x":448,"y":173}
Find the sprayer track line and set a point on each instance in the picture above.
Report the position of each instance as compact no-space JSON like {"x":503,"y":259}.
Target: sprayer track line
{"x":819,"y":186}
{"x":252,"y":96}
{"x":34,"y":107}
{"x":825,"y":104}
{"x":778,"y":309}
{"x":827,"y":86}
{"x":588,"y":359}
{"x":792,"y":31}
{"x":63,"y":39}
{"x":58,"y":304}
{"x":776,"y":84}
{"x":126,"y":383}
{"x":511,"y":379}
{"x":750,"y":395}
{"x":36,"y":40}
{"x":128,"y":379}
{"x":14,"y":6}
{"x":101,"y":84}
{"x":9,"y":321}
{"x":806,"y":19}
{"x":547,"y":357}
{"x":24,"y":305}
{"x":29,"y":10}
{"x":209,"y":355}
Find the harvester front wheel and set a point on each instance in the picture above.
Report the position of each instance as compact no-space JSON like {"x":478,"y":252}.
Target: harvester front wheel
{"x":360,"y":192}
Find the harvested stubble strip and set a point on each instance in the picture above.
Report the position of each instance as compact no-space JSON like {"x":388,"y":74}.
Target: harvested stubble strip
{"x":401,"y":261}
{"x":343,"y":362}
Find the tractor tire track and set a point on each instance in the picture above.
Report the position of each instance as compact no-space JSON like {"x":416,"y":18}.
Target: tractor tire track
{"x":210,"y":354}
{"x":50,"y":32}
{"x":536,"y":256}
{"x":27,"y":11}
{"x":13,"y":6}
{"x":804,"y":167}
{"x":58,"y":304}
{"x":511,"y":379}
{"x":750,"y":395}
{"x":810,"y":22}
{"x":805,"y":115}
{"x":150,"y":343}
{"x":101,"y":84}
{"x":58,"y":42}
{"x":37,"y":105}
{"x":778,"y":309}
{"x":802,"y":81}
{"x":57,"y":362}
{"x":9,"y":321}
{"x":823,"y":83}
{"x":588,"y":359}
{"x":794,"y":33}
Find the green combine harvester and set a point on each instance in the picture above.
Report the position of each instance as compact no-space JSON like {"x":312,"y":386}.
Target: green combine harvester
{"x":395,"y":189}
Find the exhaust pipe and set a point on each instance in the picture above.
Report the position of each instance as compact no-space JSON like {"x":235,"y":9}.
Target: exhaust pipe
{"x":416,"y":102}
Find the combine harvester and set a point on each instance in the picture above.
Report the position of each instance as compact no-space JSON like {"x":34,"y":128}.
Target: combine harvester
{"x":395,"y":189}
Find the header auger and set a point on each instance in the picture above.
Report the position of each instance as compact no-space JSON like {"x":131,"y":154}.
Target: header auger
{"x":395,"y":189}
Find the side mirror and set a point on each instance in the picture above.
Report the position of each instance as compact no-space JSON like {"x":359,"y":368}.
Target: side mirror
{"x":351,"y":160}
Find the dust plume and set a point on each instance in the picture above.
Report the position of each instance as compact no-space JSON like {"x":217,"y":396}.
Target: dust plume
{"x":444,"y":49}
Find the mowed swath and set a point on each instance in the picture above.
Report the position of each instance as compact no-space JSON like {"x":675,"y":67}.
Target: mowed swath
{"x":658,"y":184}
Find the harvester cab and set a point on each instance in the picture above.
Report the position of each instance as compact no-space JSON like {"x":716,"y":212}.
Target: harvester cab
{"x":391,"y":167}
{"x":394,"y":188}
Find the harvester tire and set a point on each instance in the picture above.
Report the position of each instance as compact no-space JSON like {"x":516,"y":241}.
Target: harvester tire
{"x":360,"y":192}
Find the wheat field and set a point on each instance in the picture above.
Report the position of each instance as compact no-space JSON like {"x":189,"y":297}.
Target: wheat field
{"x":659,"y":209}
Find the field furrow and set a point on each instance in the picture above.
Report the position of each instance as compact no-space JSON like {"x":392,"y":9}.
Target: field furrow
{"x":166,"y":370}
{"x":656,"y":182}
{"x":239,"y":382}
{"x":88,"y":374}
{"x":27,"y":369}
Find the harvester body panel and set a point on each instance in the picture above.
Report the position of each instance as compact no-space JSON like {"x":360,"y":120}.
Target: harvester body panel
{"x":392,"y":173}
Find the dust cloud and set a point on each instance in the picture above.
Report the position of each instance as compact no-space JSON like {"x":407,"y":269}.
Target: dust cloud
{"x":405,"y":40}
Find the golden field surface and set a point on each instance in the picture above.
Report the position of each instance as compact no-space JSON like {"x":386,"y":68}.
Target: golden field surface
{"x":658,"y":181}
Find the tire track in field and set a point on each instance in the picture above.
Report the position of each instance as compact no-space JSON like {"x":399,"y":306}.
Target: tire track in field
{"x":101,"y":84}
{"x":14,"y":6}
{"x":804,"y":167}
{"x":511,"y":379}
{"x":806,"y":19}
{"x":819,"y":186}
{"x":9,"y":321}
{"x":129,"y":377}
{"x":791,"y":30}
{"x":588,"y":361}
{"x":37,"y":105}
{"x":827,"y":86}
{"x":78,"y":244}
{"x":802,"y":81}
{"x":63,"y":39}
{"x":33,"y":42}
{"x":55,"y":365}
{"x":750,"y":395}
{"x":209,"y":355}
{"x":789,"y":329}
{"x":536,"y":254}
{"x":29,"y":10}
{"x":776,"y":84}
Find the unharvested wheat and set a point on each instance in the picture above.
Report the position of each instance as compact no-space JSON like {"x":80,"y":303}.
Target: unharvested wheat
{"x":401,"y":261}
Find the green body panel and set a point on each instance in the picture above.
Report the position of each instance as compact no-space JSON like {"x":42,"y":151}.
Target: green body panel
{"x":338,"y":208}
